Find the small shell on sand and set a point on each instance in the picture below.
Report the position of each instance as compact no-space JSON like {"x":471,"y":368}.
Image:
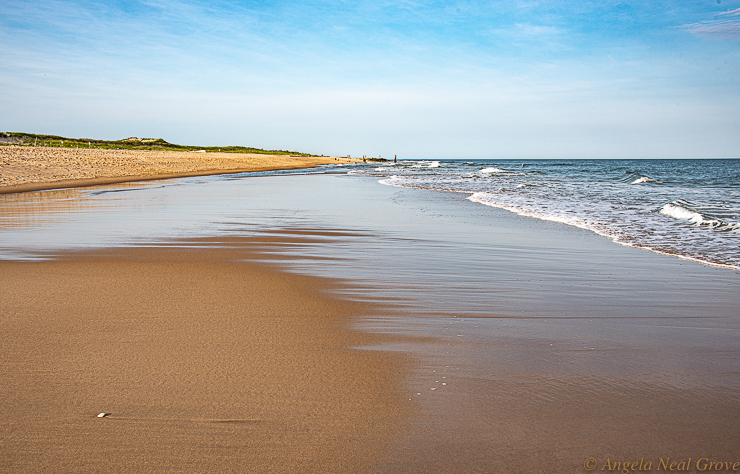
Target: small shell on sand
{"x":103,"y":415}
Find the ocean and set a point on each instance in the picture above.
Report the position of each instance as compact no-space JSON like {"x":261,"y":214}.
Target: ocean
{"x":684,"y":208}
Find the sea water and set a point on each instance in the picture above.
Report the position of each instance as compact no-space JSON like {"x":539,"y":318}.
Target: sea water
{"x":685,"y":208}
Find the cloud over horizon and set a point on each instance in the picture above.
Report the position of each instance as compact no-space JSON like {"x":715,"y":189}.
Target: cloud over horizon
{"x":725,"y":26}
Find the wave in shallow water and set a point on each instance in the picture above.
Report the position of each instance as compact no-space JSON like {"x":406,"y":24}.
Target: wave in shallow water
{"x":492,"y":170}
{"x":645,"y":179}
{"x":686,"y":208}
{"x":678,"y":211}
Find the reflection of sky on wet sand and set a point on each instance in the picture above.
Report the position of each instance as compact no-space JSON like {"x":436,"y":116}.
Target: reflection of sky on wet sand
{"x":33,"y":209}
{"x":509,"y":316}
{"x":35,"y":224}
{"x":432,"y":253}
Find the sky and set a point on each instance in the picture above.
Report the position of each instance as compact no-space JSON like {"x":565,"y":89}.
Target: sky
{"x":418,"y":79}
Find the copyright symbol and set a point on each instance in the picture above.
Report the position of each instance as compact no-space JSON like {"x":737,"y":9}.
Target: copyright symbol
{"x":590,"y":464}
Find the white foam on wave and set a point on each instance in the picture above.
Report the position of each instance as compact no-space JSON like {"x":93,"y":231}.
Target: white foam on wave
{"x":573,"y":217}
{"x":679,"y":212}
{"x":424,"y":164}
{"x":645,"y":179}
{"x":392,"y":181}
{"x":492,"y":170}
{"x":488,"y":199}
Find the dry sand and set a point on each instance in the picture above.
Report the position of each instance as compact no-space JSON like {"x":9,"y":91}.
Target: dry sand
{"x":206,"y":362}
{"x":36,"y":168}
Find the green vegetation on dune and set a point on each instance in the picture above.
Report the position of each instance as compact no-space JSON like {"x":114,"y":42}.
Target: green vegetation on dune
{"x":133,"y":143}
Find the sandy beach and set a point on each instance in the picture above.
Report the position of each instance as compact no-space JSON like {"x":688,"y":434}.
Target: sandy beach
{"x":37,"y":168}
{"x":206,"y":363}
{"x":326,"y":323}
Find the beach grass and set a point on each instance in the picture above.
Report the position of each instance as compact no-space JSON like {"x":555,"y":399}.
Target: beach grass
{"x":132,"y":143}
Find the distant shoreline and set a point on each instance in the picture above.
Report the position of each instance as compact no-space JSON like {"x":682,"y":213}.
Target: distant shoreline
{"x":27,"y":169}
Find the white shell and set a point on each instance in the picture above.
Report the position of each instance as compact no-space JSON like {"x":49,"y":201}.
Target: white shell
{"x":103,"y":415}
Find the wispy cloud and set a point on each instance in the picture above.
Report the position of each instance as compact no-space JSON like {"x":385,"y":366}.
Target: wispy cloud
{"x":536,"y":30}
{"x":725,"y":26}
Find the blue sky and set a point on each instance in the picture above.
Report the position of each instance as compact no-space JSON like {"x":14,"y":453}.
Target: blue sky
{"x":420,"y":79}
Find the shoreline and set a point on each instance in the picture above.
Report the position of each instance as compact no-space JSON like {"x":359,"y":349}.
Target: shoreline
{"x":28,"y":169}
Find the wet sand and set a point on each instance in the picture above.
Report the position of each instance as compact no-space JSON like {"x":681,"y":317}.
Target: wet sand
{"x":205,"y":362}
{"x":37,"y":168}
{"x":524,"y":346}
{"x":486,"y":416}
